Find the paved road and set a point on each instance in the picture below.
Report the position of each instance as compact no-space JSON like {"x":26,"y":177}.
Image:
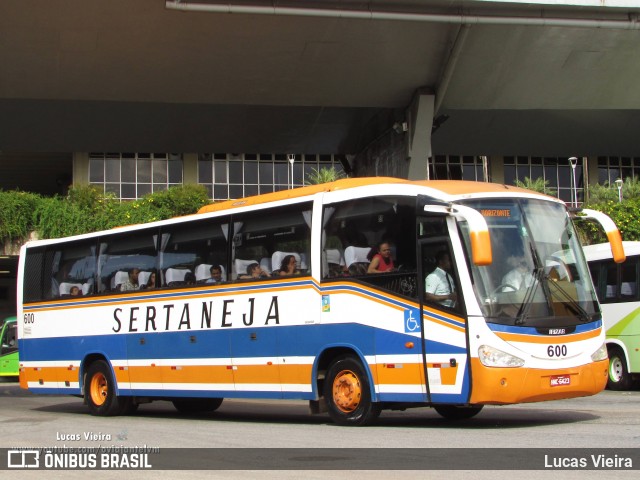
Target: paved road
{"x":608,"y":420}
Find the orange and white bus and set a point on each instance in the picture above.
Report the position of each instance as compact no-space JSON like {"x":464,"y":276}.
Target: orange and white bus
{"x":133,"y":315}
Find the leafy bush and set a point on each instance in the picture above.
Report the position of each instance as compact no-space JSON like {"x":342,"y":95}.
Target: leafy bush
{"x":608,"y":192}
{"x":86,"y":210}
{"x":16,"y":209}
{"x":625,"y":215}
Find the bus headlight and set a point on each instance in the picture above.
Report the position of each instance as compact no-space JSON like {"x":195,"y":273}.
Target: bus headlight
{"x":492,"y":357}
{"x":600,"y":354}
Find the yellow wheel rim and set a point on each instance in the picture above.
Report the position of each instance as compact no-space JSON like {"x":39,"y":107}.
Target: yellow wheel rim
{"x":99,"y":389}
{"x":347,"y":391}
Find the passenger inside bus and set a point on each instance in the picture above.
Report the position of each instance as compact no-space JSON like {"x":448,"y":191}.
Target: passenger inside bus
{"x":132,"y":282}
{"x":381,"y":260}
{"x":439,"y":285}
{"x":254,"y":271}
{"x":289,"y":266}
{"x":151,"y":280}
{"x":216,"y":275}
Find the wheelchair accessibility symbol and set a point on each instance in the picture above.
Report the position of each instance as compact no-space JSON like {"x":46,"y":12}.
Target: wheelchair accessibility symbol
{"x":411,"y":320}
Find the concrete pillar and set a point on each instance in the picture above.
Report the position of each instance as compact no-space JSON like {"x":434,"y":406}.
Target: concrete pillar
{"x":421,"y":122}
{"x":591,"y":166}
{"x":496,"y":169}
{"x":591,"y":176}
{"x":80,"y":174}
{"x":189,"y":168}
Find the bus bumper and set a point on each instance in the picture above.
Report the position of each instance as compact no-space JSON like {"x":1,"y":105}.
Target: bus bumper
{"x":497,"y":386}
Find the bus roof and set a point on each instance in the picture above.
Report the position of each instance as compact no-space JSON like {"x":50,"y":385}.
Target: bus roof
{"x":602,"y":251}
{"x":447,"y":187}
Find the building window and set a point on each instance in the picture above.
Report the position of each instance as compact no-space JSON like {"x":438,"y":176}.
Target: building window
{"x":229,"y":176}
{"x":612,"y":168}
{"x":133,"y":175}
{"x":453,"y":167}
{"x":556,"y":171}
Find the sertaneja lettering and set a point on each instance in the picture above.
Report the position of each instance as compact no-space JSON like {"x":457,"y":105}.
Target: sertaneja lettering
{"x":179,"y":317}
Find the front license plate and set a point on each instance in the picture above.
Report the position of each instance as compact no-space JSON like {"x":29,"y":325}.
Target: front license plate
{"x":560,"y":380}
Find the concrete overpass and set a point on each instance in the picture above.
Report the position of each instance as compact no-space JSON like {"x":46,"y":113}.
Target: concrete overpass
{"x":551,"y":77}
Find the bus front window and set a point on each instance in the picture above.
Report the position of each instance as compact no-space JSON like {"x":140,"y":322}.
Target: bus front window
{"x":538,"y":276}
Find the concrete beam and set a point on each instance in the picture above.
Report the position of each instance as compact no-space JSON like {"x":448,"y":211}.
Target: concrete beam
{"x":421,"y":123}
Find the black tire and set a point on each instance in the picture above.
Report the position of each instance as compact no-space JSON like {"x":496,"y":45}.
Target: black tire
{"x":454,"y":412}
{"x":100,"y":392}
{"x":196,"y":405}
{"x":348,"y":393}
{"x":618,"y":376}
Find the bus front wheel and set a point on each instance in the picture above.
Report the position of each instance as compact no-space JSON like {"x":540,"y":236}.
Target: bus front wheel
{"x":619,"y":378}
{"x":348,"y":394}
{"x":454,"y":412}
{"x":100,"y":392}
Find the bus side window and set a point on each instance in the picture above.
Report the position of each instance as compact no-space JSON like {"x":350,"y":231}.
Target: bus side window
{"x":351,"y":228}
{"x":185,"y":250}
{"x":594,"y":269}
{"x":9,"y":339}
{"x":611,"y":272}
{"x":121,"y":254}
{"x":265,"y":239}
{"x":628,"y":283}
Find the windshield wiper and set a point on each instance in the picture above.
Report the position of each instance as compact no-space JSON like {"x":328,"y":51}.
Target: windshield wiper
{"x":569,"y":301}
{"x":527,"y":301}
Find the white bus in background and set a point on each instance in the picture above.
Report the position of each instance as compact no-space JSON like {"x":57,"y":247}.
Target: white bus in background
{"x":617,"y":289}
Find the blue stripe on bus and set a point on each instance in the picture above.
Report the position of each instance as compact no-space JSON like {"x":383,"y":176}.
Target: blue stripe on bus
{"x":300,"y":340}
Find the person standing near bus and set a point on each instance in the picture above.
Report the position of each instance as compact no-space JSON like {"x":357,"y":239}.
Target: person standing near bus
{"x":381,"y":260}
{"x":439,"y":285}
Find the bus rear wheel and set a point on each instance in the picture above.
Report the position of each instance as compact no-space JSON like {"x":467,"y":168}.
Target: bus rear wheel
{"x":454,"y":412}
{"x":348,"y":394}
{"x":619,"y":378}
{"x":100,"y":392}
{"x":196,"y":405}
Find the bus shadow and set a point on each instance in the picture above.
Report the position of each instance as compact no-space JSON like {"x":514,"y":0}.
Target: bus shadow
{"x":491,"y":418}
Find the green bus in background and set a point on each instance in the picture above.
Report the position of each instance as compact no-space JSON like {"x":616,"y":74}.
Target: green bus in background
{"x":9,"y":348}
{"x":8,"y":327}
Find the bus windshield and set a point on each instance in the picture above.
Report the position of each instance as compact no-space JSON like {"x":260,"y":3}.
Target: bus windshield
{"x":539,"y":276}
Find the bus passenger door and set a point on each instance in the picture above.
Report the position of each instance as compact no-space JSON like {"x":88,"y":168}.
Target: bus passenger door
{"x":443,"y":325}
